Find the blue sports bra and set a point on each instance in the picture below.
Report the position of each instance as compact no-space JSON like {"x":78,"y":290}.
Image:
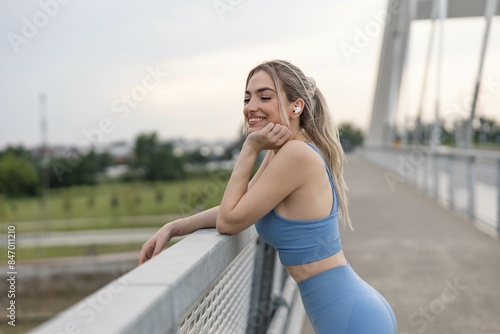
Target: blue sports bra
{"x":302,"y":241}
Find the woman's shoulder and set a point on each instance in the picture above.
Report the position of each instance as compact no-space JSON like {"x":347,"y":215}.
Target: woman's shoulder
{"x":298,"y":146}
{"x":303,"y":158}
{"x":297,"y":151}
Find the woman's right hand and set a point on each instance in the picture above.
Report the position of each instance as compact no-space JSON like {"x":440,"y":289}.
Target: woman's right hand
{"x":270,"y":137}
{"x":157,"y":242}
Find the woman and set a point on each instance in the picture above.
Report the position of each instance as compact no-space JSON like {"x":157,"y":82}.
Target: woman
{"x":294,"y":201}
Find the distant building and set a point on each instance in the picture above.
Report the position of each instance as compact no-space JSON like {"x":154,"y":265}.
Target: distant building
{"x":120,"y":151}
{"x":117,"y":171}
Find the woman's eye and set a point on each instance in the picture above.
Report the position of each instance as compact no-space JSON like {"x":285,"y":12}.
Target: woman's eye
{"x":263,"y":98}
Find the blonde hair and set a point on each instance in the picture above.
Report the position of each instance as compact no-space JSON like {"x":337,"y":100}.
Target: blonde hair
{"x":316,"y":121}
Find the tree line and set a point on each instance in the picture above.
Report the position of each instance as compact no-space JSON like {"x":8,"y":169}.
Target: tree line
{"x":151,"y":160}
{"x":21,"y":170}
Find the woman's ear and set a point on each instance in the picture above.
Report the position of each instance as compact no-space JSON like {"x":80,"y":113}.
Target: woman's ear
{"x":297,"y":108}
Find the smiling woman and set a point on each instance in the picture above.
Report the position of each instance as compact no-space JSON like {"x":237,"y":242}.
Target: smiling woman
{"x":295,"y":200}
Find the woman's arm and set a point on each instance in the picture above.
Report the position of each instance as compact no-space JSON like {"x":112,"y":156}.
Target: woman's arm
{"x":261,"y":169}
{"x":239,"y":180}
{"x":204,"y":219}
{"x":187,"y":225}
{"x":179,"y":227}
{"x":241,"y":207}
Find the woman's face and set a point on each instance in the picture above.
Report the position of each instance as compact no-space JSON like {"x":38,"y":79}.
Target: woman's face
{"x":261,"y":102}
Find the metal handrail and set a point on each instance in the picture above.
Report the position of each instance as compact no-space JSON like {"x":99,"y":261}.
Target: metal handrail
{"x":467,"y":179}
{"x":172,"y":291}
{"x":153,"y":297}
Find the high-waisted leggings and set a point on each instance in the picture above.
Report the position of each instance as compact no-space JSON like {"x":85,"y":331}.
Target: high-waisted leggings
{"x":338,"y":301}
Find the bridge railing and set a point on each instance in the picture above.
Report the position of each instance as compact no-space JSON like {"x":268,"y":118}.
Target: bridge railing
{"x":467,"y":180}
{"x":206,"y":283}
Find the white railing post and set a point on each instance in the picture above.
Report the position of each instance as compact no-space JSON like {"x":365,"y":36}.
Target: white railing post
{"x":261,"y":304}
{"x":471,"y":207}
{"x":498,"y":196}
{"x":472,"y":180}
{"x":451,"y":196}
{"x":435,"y":160}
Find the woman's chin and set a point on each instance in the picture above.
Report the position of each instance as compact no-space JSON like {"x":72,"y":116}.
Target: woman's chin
{"x":256,"y":127}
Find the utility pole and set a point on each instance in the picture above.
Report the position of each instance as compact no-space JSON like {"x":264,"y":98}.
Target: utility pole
{"x":45,"y":162}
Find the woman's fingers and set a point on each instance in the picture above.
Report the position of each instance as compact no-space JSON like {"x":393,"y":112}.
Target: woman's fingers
{"x":286,"y":134}
{"x":284,"y":131}
{"x":154,"y":246}
{"x":280,"y":134}
{"x":271,"y":136}
{"x":159,"y":247}
{"x":146,"y":252}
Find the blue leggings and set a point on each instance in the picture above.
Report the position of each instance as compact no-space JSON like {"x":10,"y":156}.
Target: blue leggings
{"x":338,"y":301}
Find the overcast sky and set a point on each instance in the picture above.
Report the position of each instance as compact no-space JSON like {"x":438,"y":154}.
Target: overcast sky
{"x":179,"y":67}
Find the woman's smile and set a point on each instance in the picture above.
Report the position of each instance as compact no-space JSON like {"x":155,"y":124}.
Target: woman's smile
{"x":255,"y":120}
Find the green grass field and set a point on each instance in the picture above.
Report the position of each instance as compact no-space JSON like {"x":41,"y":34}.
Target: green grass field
{"x":99,"y":223}
{"x":30,"y":253}
{"x":115,"y":200}
{"x":108,"y":205}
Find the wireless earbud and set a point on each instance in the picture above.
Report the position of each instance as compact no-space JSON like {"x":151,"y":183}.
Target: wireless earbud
{"x":296,"y":110}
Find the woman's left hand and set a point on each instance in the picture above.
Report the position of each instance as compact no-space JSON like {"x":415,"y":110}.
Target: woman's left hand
{"x":270,"y":137}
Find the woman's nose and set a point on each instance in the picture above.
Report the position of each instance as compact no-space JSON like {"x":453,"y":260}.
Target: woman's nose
{"x":251,"y":105}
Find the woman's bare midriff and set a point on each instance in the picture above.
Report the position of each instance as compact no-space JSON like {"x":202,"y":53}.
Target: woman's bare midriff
{"x":303,"y":271}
